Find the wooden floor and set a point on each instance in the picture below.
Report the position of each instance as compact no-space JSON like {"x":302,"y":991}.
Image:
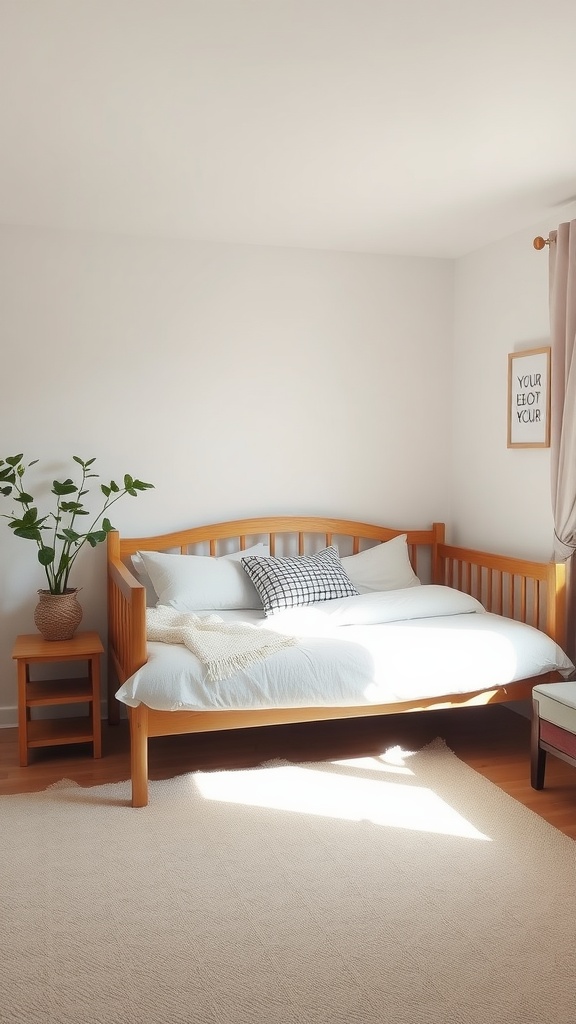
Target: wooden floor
{"x":495,"y":741}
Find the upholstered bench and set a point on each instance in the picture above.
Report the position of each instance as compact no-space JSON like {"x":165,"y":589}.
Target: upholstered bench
{"x":553,"y":726}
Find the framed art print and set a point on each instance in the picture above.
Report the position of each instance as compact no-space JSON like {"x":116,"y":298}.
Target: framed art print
{"x":529,"y":399}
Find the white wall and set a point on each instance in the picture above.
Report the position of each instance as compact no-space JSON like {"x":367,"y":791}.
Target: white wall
{"x":238,"y":380}
{"x":500,"y":496}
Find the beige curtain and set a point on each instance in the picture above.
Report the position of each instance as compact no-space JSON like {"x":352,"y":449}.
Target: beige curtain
{"x":563,"y":407}
{"x":563,"y":387}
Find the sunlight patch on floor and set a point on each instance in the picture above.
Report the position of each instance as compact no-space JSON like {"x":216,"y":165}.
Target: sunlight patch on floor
{"x":334,"y":794}
{"x":392,"y":761}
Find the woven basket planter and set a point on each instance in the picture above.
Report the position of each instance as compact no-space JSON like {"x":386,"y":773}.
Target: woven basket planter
{"x":57,"y":616}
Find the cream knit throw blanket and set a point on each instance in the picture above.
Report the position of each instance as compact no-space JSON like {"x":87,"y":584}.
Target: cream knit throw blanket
{"x":223,"y":647}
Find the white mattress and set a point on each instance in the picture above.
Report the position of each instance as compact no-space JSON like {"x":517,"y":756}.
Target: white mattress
{"x":372,"y":649}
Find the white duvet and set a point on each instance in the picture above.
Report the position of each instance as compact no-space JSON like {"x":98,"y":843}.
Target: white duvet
{"x":377,"y":648}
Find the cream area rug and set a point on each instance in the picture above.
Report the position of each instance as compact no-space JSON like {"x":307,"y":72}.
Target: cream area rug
{"x":398,"y":889}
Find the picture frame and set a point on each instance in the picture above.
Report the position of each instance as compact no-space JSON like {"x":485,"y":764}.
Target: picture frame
{"x":529,"y":398}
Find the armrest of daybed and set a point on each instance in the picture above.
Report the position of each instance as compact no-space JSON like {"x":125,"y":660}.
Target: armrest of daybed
{"x":126,"y":624}
{"x":531,"y":592}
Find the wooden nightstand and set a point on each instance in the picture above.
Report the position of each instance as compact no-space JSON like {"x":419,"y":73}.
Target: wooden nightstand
{"x":32,"y":649}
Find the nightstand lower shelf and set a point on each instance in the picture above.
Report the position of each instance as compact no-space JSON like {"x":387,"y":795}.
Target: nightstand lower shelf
{"x":52,"y":732}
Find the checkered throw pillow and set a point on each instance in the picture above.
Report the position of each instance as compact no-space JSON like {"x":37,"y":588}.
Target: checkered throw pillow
{"x":298,"y":580}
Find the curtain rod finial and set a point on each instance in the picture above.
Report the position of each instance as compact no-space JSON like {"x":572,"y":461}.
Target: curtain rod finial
{"x":540,"y":242}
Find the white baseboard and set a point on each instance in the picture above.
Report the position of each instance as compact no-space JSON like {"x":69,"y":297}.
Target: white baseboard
{"x":8,"y":717}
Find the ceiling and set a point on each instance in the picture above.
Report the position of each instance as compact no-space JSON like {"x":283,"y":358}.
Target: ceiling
{"x":427,"y":127}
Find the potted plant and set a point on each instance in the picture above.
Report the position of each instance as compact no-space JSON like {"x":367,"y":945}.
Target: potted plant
{"x":58,"y":535}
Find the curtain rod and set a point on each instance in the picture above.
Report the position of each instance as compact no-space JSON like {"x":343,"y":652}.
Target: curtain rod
{"x":540,"y":242}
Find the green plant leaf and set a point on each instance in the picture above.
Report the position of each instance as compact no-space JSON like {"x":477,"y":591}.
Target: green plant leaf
{"x":141,"y":486}
{"x":13,"y":460}
{"x":71,"y":535}
{"x":23,"y":497}
{"x":8,"y":475}
{"x":6,"y":490}
{"x":96,"y":537}
{"x":114,"y":486}
{"x":78,"y":460}
{"x":105,"y":490}
{"x":107,"y":526}
{"x":65,"y":487}
{"x":28,"y":532}
{"x":46,"y":556}
{"x":132,"y":492}
{"x":128,"y":481}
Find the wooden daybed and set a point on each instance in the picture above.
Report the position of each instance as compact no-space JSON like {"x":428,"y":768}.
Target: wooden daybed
{"x":531,"y":592}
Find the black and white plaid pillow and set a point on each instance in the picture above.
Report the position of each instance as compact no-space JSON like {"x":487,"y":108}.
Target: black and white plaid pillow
{"x":298,"y":580}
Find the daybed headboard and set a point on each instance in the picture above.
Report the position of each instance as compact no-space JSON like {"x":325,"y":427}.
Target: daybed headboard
{"x":299,"y":531}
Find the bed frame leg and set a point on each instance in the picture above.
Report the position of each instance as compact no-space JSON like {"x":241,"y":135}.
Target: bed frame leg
{"x":139,"y":755}
{"x":113,"y":704}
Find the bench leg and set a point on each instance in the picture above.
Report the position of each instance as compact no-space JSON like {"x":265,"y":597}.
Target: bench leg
{"x":538,"y":768}
{"x":537,"y":755}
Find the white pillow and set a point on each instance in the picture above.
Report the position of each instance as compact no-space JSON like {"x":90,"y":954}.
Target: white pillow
{"x":382,"y":567}
{"x":192,"y":583}
{"x":140,"y":569}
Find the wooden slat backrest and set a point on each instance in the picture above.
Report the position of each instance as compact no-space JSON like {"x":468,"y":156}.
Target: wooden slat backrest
{"x":301,"y":528}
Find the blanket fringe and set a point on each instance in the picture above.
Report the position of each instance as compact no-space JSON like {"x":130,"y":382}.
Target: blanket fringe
{"x":222,"y":668}
{"x":224,"y":648}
